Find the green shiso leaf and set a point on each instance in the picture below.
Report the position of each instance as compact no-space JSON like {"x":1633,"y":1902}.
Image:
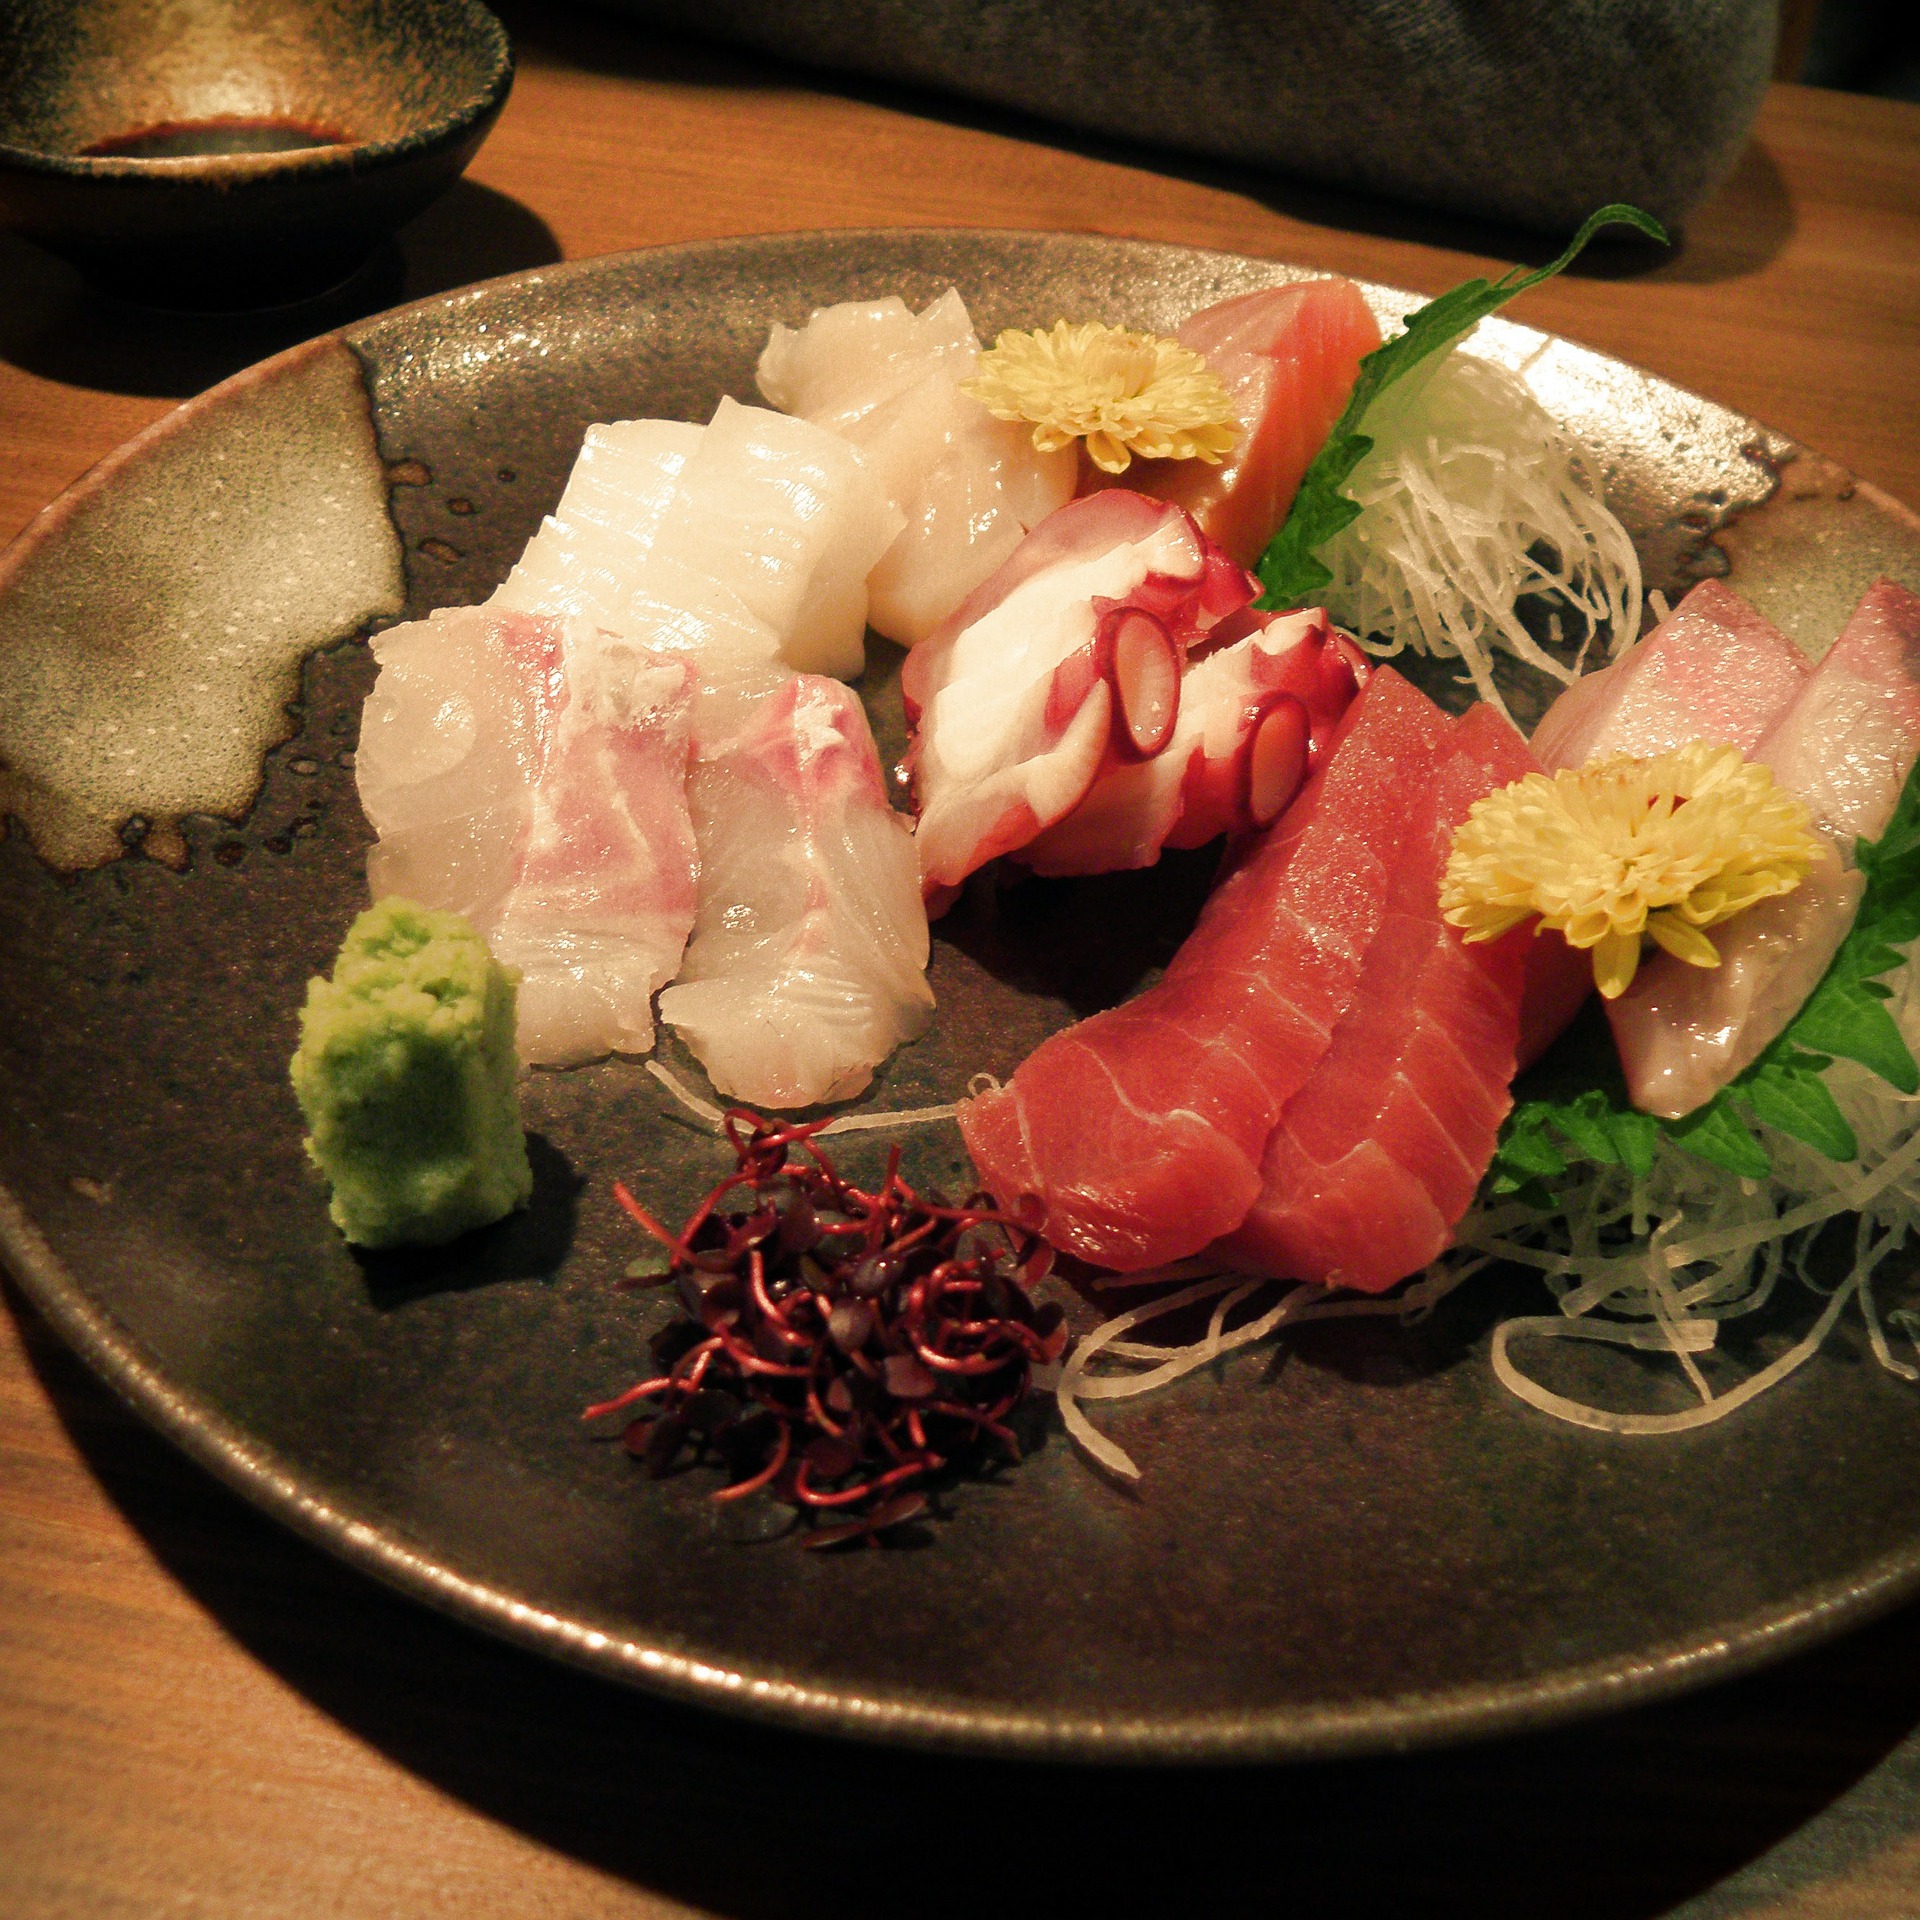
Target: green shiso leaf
{"x":1289,"y":573}
{"x":1576,"y":1098}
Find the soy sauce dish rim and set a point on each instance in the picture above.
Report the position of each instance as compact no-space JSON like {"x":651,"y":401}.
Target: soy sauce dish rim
{"x":489,"y":39}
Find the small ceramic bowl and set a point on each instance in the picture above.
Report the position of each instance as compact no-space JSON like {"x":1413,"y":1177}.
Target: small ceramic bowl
{"x":223,"y":153}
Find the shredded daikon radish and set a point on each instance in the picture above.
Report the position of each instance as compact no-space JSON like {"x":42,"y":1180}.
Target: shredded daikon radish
{"x":1663,"y":1264}
{"x":1471,"y":499}
{"x":1655,"y":1265}
{"x":713,"y":1118}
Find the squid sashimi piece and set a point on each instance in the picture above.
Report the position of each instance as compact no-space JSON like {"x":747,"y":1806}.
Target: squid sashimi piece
{"x":787,"y":515}
{"x":807,"y":963}
{"x":1287,"y":357}
{"x":1136,"y":1137}
{"x":756,"y":529}
{"x":1254,"y":715}
{"x":1082,"y":633}
{"x":1713,"y":669}
{"x":604,"y":899}
{"x":531,"y":775}
{"x":1845,"y":744}
{"x":453,"y":739}
{"x":590,"y":549}
{"x":1377,"y":1156}
{"x":968,"y":486}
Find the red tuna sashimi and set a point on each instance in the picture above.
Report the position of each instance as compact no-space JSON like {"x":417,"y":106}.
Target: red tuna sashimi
{"x":1713,"y":669}
{"x":1014,"y":698}
{"x":1254,"y":717}
{"x":1287,"y":357}
{"x":1377,"y":1156}
{"x":1845,"y":745}
{"x":1135,"y":1137}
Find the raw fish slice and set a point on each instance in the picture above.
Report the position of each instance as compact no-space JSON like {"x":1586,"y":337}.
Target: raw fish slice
{"x":1011,"y":700}
{"x":1845,"y":744}
{"x":967,"y":485}
{"x":807,"y":964}
{"x":1135,"y":1138}
{"x":1291,"y":669}
{"x":1288,"y":357}
{"x":1683,"y":1032}
{"x":1713,"y":670}
{"x":785,"y":514}
{"x":590,"y":548}
{"x":851,"y":358}
{"x":604,"y":898}
{"x":452,"y":740}
{"x":1381,"y":1151}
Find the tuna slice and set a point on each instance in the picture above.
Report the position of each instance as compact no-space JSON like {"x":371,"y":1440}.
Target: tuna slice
{"x":1013,"y":699}
{"x":531,"y":775}
{"x":1712,"y":670}
{"x":1845,"y":743}
{"x":807,"y":962}
{"x":1376,"y":1157}
{"x":1254,"y":716}
{"x":1288,"y":357}
{"x":967,"y":485}
{"x":1136,"y":1137}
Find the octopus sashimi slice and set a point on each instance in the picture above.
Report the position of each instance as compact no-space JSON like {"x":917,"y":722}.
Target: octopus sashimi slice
{"x":1376,"y":1157}
{"x":968,"y":486}
{"x":1013,"y":699}
{"x":453,"y":738}
{"x":1713,"y":669}
{"x":1254,"y":716}
{"x":1845,"y":744}
{"x":807,"y":963}
{"x":1288,"y":357}
{"x":604,"y":899}
{"x":1135,"y":1138}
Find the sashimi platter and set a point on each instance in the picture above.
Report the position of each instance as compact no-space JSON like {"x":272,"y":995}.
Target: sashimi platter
{"x":1043,"y":994}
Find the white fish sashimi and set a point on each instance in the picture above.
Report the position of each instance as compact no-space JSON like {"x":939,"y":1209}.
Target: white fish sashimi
{"x":453,"y":739}
{"x":786,"y":515}
{"x":756,"y":528}
{"x":968,"y":486}
{"x":807,"y":963}
{"x":530,"y":774}
{"x":605,"y":897}
{"x":594,"y":545}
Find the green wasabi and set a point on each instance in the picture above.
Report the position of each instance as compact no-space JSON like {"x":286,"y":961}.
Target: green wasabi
{"x":405,"y":1073}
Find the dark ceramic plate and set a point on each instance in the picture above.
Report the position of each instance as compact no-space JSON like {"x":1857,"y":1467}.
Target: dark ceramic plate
{"x":1366,"y":1546}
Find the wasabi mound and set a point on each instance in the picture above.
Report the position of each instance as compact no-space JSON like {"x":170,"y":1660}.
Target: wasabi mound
{"x":405,"y":1074}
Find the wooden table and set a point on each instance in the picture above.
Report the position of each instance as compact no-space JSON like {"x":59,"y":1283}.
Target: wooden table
{"x":201,"y":1716}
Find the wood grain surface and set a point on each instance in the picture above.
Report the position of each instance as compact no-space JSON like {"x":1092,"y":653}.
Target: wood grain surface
{"x":201,"y":1716}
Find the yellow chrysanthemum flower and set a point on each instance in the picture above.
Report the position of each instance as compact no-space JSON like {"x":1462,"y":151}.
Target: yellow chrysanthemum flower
{"x":1626,"y":848}
{"x":1124,"y":393}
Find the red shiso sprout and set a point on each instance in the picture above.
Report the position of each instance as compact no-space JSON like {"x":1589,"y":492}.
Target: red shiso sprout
{"x":838,"y":1348}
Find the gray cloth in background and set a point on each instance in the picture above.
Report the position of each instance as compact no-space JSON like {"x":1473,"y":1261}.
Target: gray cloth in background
{"x":1529,"y":111}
